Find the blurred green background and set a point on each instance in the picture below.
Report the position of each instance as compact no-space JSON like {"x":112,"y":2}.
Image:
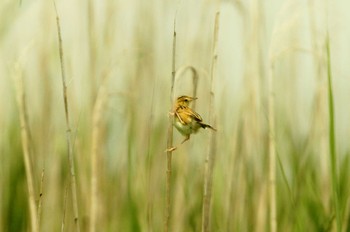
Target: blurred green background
{"x":126,"y":48}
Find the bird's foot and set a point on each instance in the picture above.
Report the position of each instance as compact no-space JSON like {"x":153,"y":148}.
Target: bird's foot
{"x":187,"y":138}
{"x":171,"y":113}
{"x":171,"y":149}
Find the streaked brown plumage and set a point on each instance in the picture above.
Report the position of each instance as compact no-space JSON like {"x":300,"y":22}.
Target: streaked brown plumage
{"x":187,"y":121}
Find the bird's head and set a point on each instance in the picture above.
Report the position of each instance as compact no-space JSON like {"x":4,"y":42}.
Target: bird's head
{"x":184,"y":100}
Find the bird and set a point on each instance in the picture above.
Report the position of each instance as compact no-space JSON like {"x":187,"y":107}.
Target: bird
{"x":187,"y":121}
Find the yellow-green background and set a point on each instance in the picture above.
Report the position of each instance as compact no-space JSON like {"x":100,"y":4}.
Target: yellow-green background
{"x":126,"y":46}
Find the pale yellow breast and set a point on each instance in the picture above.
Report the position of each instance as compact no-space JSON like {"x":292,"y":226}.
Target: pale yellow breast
{"x":183,"y":129}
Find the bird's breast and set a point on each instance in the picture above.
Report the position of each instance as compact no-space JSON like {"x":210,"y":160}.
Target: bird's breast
{"x":184,"y":129}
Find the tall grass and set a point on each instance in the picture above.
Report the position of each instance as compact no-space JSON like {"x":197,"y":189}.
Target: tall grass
{"x":272,"y":155}
{"x":282,"y":160}
{"x":170,"y":135}
{"x":98,"y":112}
{"x":332,"y":141}
{"x":210,"y":158}
{"x":68,"y":127}
{"x":18,"y":77}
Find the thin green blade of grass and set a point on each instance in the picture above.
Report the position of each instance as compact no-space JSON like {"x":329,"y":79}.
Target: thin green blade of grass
{"x":332,"y":139}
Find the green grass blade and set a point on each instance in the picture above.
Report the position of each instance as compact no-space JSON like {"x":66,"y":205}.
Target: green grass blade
{"x":332,"y":145}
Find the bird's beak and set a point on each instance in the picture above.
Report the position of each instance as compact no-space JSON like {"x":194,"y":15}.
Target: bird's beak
{"x":195,"y":98}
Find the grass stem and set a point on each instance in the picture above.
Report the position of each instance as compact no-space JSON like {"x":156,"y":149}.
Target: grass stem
{"x":68,"y":128}
{"x":170,"y":136}
{"x":332,"y":140}
{"x":64,"y":209}
{"x":95,"y":161}
{"x":210,"y":159}
{"x":272,"y":153}
{"x":40,"y":198}
{"x":26,"y":148}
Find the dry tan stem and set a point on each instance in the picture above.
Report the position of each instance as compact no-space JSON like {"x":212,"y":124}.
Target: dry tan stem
{"x":210,"y":159}
{"x":68,"y":129}
{"x":25,"y":146}
{"x":170,"y":138}
{"x":64,"y":209}
{"x":175,"y":76}
{"x":272,"y":153}
{"x":180,"y":73}
{"x":97,"y":116}
{"x":40,"y":197}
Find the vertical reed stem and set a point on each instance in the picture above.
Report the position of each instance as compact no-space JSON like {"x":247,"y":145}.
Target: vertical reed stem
{"x":272,"y":152}
{"x":68,"y":129}
{"x":170,"y":137}
{"x":40,"y":197}
{"x":64,"y":209}
{"x":26,"y":150}
{"x":332,"y":140}
{"x":96,"y":130}
{"x":210,"y":159}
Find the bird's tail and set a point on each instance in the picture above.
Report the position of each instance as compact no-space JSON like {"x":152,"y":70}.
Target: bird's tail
{"x":204,"y":126}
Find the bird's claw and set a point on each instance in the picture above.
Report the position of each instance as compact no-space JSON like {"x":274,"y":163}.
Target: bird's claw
{"x":171,"y":149}
{"x":171,"y":113}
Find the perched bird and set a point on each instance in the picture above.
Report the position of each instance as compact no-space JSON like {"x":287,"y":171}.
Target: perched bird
{"x":187,"y":121}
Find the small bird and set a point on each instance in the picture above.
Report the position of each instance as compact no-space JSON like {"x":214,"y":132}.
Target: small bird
{"x":187,"y":121}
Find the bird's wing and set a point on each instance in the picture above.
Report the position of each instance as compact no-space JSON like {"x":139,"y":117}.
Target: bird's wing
{"x":193,"y":114}
{"x":180,"y":116}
